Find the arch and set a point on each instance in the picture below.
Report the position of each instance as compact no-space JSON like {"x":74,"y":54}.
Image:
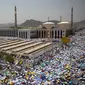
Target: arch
{"x":52,"y":27}
{"x":44,"y":28}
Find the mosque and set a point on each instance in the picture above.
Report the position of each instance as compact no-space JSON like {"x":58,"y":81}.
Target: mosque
{"x":46,"y":30}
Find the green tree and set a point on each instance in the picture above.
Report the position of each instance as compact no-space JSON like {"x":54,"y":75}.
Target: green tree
{"x":65,"y":40}
{"x":0,"y":67}
{"x":2,"y":55}
{"x":9,"y":58}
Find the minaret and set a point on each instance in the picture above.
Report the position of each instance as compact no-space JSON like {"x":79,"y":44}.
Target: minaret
{"x":72,"y":17}
{"x":48,"y":19}
{"x":60,"y":18}
{"x":15,"y":17}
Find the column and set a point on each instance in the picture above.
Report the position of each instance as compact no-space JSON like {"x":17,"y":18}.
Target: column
{"x":50,"y":33}
{"x":61,"y":33}
{"x":40,"y":33}
{"x":54,"y":34}
{"x":58,"y":33}
{"x":28,"y":34}
{"x":37,"y":33}
{"x":44,"y":33}
{"x":25,"y":34}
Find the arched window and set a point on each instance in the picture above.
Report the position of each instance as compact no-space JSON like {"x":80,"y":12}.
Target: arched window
{"x":52,"y":28}
{"x":43,"y":27}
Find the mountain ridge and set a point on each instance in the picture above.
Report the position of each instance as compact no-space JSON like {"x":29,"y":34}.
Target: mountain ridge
{"x":36,"y":23}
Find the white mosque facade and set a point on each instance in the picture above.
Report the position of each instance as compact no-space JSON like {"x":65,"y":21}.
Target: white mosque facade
{"x":46,"y":30}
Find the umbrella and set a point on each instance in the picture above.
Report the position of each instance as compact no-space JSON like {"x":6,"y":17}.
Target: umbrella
{"x":42,"y":76}
{"x":7,"y":73}
{"x":11,"y":83}
{"x":43,"y":65}
{"x":82,"y":66}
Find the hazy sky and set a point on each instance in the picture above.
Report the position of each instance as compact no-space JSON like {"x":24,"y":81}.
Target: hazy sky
{"x":41,"y":9}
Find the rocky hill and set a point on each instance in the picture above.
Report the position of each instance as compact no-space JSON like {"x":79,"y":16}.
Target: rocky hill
{"x":35,"y":23}
{"x":31,"y":23}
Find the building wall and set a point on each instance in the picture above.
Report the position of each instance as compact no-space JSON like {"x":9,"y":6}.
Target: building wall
{"x":24,"y":33}
{"x":34,"y":33}
{"x":54,"y":33}
{"x":9,"y":32}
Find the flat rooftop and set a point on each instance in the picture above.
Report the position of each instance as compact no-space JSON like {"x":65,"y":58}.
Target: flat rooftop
{"x":23,"y":47}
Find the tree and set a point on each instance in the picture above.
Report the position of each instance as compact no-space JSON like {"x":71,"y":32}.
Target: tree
{"x":65,"y":40}
{"x":0,"y":67}
{"x":20,"y":62}
{"x":9,"y":58}
{"x":17,"y":27}
{"x":2,"y":55}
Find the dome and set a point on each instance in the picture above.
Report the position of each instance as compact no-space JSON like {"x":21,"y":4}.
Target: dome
{"x":63,"y":23}
{"x":49,"y":23}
